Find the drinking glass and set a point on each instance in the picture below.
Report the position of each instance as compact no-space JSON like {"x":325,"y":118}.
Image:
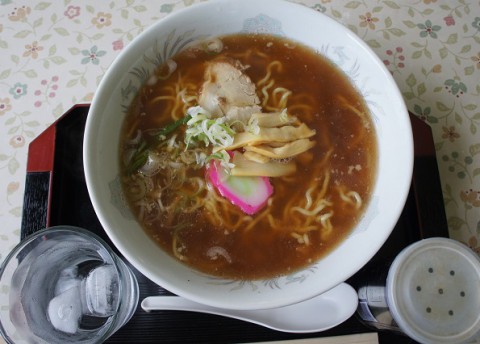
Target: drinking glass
{"x":64,"y":284}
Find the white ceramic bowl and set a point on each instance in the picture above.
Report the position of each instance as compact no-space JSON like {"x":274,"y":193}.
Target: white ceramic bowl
{"x":214,"y":18}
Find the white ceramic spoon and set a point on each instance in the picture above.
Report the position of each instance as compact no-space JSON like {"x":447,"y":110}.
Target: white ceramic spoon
{"x":314,"y":315}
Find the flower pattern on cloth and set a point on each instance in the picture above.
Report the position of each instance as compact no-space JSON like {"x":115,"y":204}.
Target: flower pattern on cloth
{"x":72,"y":12}
{"x":18,"y":90}
{"x":32,"y":50}
{"x":367,"y":20}
{"x":102,"y":20}
{"x":92,"y":55}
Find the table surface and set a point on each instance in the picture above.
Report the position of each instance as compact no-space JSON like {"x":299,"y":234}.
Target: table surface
{"x":55,"y":53}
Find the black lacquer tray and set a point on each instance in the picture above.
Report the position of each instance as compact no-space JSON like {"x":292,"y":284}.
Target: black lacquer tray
{"x":56,"y":194}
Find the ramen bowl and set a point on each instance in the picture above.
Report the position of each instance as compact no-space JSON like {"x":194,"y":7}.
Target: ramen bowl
{"x":216,"y":18}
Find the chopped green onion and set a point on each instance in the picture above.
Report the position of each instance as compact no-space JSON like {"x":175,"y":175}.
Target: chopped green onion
{"x":140,"y":157}
{"x":170,"y":128}
{"x":202,"y":128}
{"x":223,"y":157}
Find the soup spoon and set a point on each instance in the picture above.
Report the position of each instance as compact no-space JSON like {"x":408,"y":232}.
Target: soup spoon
{"x":314,"y":315}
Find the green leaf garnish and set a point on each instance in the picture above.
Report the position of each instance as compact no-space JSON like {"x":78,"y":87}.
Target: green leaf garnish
{"x":140,"y":157}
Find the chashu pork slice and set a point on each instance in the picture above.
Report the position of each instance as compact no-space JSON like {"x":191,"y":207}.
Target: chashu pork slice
{"x":228,"y":91}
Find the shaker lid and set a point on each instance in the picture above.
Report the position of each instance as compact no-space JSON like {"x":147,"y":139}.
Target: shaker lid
{"x":433,"y":291}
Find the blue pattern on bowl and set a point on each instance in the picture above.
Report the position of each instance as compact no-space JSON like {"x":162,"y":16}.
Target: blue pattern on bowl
{"x":263,"y":24}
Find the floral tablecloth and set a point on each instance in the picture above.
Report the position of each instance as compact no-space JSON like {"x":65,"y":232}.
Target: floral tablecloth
{"x":54,"y":53}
